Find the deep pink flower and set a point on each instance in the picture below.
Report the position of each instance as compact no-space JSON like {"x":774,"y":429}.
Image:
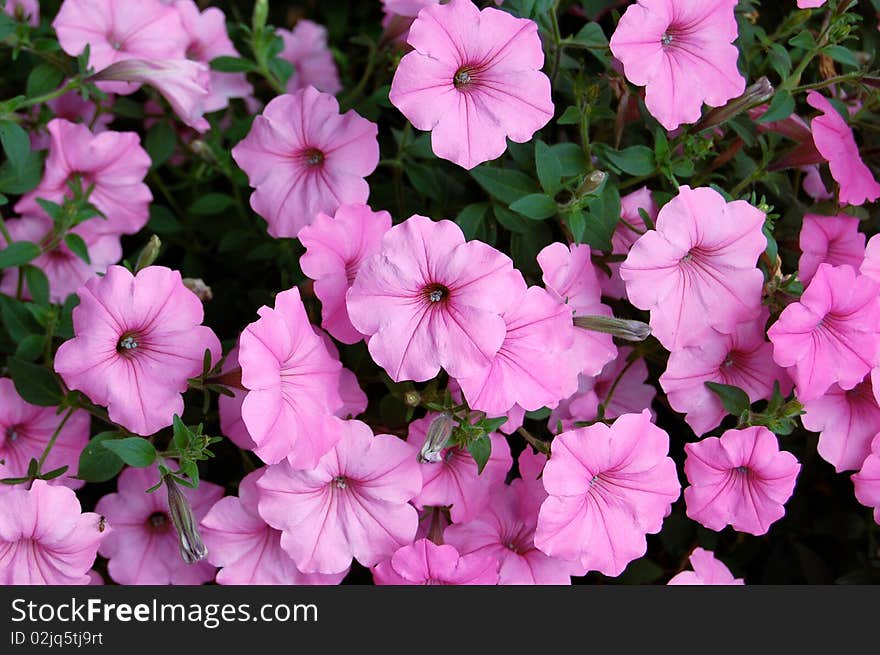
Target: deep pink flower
{"x":26,"y":429}
{"x":682,"y":53}
{"x":114,"y":162}
{"x":65,"y":270}
{"x":834,"y":240}
{"x":353,"y":504}
{"x":426,"y":563}
{"x":303,"y":157}
{"x":697,"y":270}
{"x":628,"y":230}
{"x":835,"y":141}
{"x":867,"y":480}
{"x":335,"y":248}
{"x":473,"y":78}
{"x":454,"y":481}
{"x":533,"y":367}
{"x":608,"y":487}
{"x":831,"y":334}
{"x":742,"y":359}
{"x":847,"y":422}
{"x":248,"y":550}
{"x":26,"y":10}
{"x":871,"y":264}
{"x":429,"y":299}
{"x":143,"y":548}
{"x":138,"y":340}
{"x":45,"y":537}
{"x":570,"y":277}
{"x":708,"y":570}
{"x":293,"y":384}
{"x":306,"y":49}
{"x":741,"y":479}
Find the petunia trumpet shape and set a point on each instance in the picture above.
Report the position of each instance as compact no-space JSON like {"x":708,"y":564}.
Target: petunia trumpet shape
{"x":708,"y":570}
{"x":426,"y":563}
{"x":305,"y":48}
{"x":834,"y":240}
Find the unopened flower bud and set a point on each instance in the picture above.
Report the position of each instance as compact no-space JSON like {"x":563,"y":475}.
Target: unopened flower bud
{"x":591,"y":183}
{"x":757,"y":94}
{"x":436,"y":439}
{"x":618,"y":327}
{"x":412,"y":398}
{"x":192,"y":549}
{"x":148,"y":254}
{"x":197,"y":286}
{"x":261,"y":14}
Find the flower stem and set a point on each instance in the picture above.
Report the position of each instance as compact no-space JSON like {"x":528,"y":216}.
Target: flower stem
{"x":538,"y":444}
{"x":52,"y":440}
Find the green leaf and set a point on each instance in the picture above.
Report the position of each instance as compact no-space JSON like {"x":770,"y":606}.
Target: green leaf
{"x":18,"y":253}
{"x":37,"y":385}
{"x":734,"y":399}
{"x":803,"y":39}
{"x":30,"y":347}
{"x":37,"y":284}
{"x":549,"y":168}
{"x":472,"y":219}
{"x":571,"y":158}
{"x":536,"y":206}
{"x":78,"y":247}
{"x":211,"y":204}
{"x":7,"y":25}
{"x":54,"y":473}
{"x":16,"y":144}
{"x":232,"y":65}
{"x":480,"y":449}
{"x":516,"y":223}
{"x":97,"y":463}
{"x":162,"y":220}
{"x":635,"y":160}
{"x":134,"y":451}
{"x":780,"y":107}
{"x":505,"y":184}
{"x":16,"y":319}
{"x":571,"y":116}
{"x":43,"y":79}
{"x":160,"y":142}
{"x":21,"y":181}
{"x":182,"y":434}
{"x":593,"y":39}
{"x":842,"y":54}
{"x":780,"y":60}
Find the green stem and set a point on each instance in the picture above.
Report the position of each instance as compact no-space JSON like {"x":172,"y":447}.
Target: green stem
{"x":57,"y":93}
{"x":52,"y":440}
{"x":557,"y":41}
{"x":538,"y":444}
{"x":617,"y":380}
{"x":833,"y":80}
{"x":5,"y":232}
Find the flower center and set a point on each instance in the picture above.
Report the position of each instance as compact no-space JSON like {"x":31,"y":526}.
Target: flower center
{"x":313,"y":157}
{"x":666,"y":39}
{"x":463,"y":77}
{"x":742,"y":470}
{"x":594,"y":479}
{"x":340,"y":481}
{"x":158,"y":520}
{"x":435,"y":293}
{"x":12,"y":433}
{"x":127,"y":343}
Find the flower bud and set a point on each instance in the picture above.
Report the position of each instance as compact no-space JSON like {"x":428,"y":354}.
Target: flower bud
{"x":619,"y":327}
{"x":757,"y":94}
{"x":148,"y":254}
{"x":436,"y":439}
{"x":192,"y":549}
{"x":197,"y":286}
{"x":591,"y":183}
{"x":412,"y":399}
{"x":261,"y":14}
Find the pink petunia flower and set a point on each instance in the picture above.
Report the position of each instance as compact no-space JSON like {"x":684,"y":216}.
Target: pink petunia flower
{"x":742,"y":359}
{"x":138,"y":339}
{"x":697,"y":270}
{"x":25,"y":431}
{"x":682,"y":53}
{"x":114,"y":162}
{"x":708,"y":570}
{"x":570,"y":277}
{"x":628,"y":230}
{"x":426,"y":563}
{"x":608,"y":487}
{"x":473,"y":78}
{"x":834,"y":240}
{"x":533,"y":367}
{"x":45,"y":537}
{"x":303,"y":158}
{"x":429,"y":299}
{"x":835,"y":141}
{"x":454,"y":481}
{"x":831,"y":334}
{"x":335,"y":248}
{"x":24,"y":10}
{"x":810,"y":4}
{"x":847,"y":422}
{"x":305,"y":47}
{"x":248,"y":550}
{"x":870,"y":266}
{"x":292,"y":382}
{"x":231,"y":423}
{"x":353,"y":504}
{"x":741,"y":479}
{"x":143,"y":548}
{"x":867,"y":480}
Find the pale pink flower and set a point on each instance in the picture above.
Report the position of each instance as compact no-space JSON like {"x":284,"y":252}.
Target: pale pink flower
{"x":144,"y":548}
{"x":741,"y":479}
{"x":533,"y":367}
{"x":114,"y":162}
{"x":231,"y":422}
{"x":138,"y":339}
{"x":570,"y":277}
{"x":814,"y":185}
{"x":628,"y":230}
{"x":45,"y":537}
{"x":473,"y":79}
{"x":867,"y":480}
{"x":303,"y":157}
{"x":697,"y":270}
{"x":353,"y":504}
{"x":305,"y":47}
{"x":335,"y":248}
{"x":810,"y":4}
{"x":72,"y":107}
{"x":831,"y":334}
{"x":426,"y":563}
{"x":834,"y":240}
{"x":835,"y":141}
{"x":292,"y":382}
{"x":26,"y":10}
{"x":871,"y":264}
{"x":454,"y":481}
{"x":742,"y":359}
{"x":354,"y":400}
{"x":708,"y":570}
{"x":65,"y":270}
{"x":682,"y":52}
{"x":248,"y":550}
{"x":25,"y":431}
{"x":608,"y":487}
{"x":429,"y":299}
{"x":847,"y":422}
